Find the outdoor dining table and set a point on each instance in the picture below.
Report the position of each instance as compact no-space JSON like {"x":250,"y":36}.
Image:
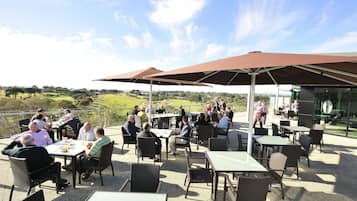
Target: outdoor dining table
{"x":296,"y":129}
{"x":268,"y":140}
{"x":163,"y":133}
{"x":74,"y":147}
{"x":231,"y":162}
{"x":127,"y":196}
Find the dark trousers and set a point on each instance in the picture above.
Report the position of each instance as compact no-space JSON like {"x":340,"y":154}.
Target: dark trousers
{"x":86,"y":164}
{"x":53,"y":169}
{"x":158,"y":146}
{"x":260,"y":122}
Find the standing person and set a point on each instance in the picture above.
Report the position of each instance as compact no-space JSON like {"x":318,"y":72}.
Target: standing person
{"x":142,"y":115}
{"x":181,"y":113}
{"x":36,"y":158}
{"x":230,"y":113}
{"x":184,"y":133}
{"x":223,"y":105}
{"x":263,"y":112}
{"x":130,"y":127}
{"x":92,"y":153}
{"x":208,"y":109}
{"x":147,"y":134}
{"x":258,"y":115}
{"x":135,"y":110}
{"x":86,"y":133}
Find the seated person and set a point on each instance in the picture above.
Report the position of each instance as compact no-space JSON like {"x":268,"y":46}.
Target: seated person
{"x":222,"y":127}
{"x":204,"y":119}
{"x":147,"y":134}
{"x":92,"y":153}
{"x":41,"y":137}
{"x":130,"y":127}
{"x":70,"y":120}
{"x":86,"y":133}
{"x":184,"y":133}
{"x":42,"y":124}
{"x":36,"y":158}
{"x":68,"y":116}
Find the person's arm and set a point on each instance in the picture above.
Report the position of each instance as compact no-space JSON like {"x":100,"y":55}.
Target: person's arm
{"x":9,"y":148}
{"x":48,"y":138}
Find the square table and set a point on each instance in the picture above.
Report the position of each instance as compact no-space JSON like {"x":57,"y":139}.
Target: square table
{"x":75,"y":148}
{"x":268,"y":140}
{"x":232,"y":162}
{"x":296,"y":129}
{"x":163,"y":133}
{"x":127,"y":196}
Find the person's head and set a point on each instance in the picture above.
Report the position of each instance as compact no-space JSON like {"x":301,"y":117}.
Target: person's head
{"x":208,"y":105}
{"x":67,"y":111}
{"x":27,"y":140}
{"x":229,"y":108}
{"x":39,"y":116}
{"x":146,"y":127}
{"x":87,"y":126}
{"x":33,"y":126}
{"x":180,"y":107}
{"x":142,"y":109}
{"x":41,"y":111}
{"x":131,"y":118}
{"x":136,"y":107}
{"x":99,"y":133}
{"x":184,"y":119}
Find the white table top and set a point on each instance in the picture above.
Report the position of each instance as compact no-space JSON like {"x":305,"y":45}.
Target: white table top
{"x":233,"y":161}
{"x":75,"y":147}
{"x":163,"y":133}
{"x":127,"y":196}
{"x":272,"y":140}
{"x":296,"y":128}
{"x":168,"y":115}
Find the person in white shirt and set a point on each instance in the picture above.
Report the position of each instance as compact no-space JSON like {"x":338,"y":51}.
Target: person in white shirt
{"x":68,"y":116}
{"x":86,"y":133}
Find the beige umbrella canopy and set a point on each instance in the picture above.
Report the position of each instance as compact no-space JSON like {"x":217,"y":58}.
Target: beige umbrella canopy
{"x":270,"y":68}
{"x":140,"y":76}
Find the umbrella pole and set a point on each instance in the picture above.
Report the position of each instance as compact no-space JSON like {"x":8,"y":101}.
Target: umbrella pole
{"x":277,"y":98}
{"x":150,"y":101}
{"x":251,"y":113}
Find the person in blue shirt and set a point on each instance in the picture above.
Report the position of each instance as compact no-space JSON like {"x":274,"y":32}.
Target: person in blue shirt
{"x":223,"y":124}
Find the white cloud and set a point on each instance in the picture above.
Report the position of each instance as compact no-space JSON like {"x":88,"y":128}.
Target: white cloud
{"x":121,"y":18}
{"x":172,"y":12}
{"x":347,"y":42}
{"x":264,"y":19}
{"x":133,"y":42}
{"x":213,"y":50}
{"x":190,"y":29}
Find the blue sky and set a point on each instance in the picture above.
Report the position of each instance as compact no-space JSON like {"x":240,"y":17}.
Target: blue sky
{"x":69,"y":43}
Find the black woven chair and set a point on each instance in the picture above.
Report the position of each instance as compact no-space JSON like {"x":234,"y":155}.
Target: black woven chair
{"x":23,"y":125}
{"x":248,"y":188}
{"x":316,"y":137}
{"x":37,"y":196}
{"x":25,"y":179}
{"x":217,"y":144}
{"x":275,"y":129}
{"x":184,"y":142}
{"x":196,"y":175}
{"x":261,"y":131}
{"x":305,"y":142}
{"x":146,"y":148}
{"x":143,"y":178}
{"x":293,"y":153}
{"x":285,"y":132}
{"x":203,"y":133}
{"x":104,"y":161}
{"x":127,"y":139}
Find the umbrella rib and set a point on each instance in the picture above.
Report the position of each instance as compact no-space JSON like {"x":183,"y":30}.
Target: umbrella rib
{"x":271,"y":69}
{"x":231,"y":80}
{"x":210,"y":74}
{"x":331,"y":70}
{"x":325,"y":74}
{"x":272,"y":78}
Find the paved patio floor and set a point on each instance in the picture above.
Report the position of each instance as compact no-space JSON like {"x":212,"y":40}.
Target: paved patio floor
{"x":332,"y":175}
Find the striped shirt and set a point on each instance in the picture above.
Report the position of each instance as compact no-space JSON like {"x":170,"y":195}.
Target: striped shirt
{"x":97,"y":146}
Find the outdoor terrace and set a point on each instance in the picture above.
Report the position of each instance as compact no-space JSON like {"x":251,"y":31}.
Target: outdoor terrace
{"x":332,"y":174}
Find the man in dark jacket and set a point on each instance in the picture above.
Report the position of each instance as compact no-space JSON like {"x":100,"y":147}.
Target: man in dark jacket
{"x":130,"y":127}
{"x":184,"y":133}
{"x":36,"y":158}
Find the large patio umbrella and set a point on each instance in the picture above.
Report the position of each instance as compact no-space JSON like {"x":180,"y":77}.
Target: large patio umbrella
{"x":139,"y":76}
{"x":270,"y":68}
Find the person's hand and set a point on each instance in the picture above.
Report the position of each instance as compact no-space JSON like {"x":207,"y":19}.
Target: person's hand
{"x":89,"y":145}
